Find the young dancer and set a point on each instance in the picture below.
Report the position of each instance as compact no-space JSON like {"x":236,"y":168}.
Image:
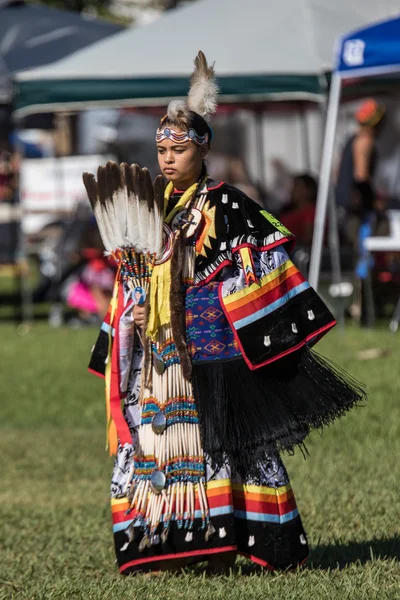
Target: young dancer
{"x":214,"y":370}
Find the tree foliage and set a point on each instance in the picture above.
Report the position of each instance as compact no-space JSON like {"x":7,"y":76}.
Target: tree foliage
{"x":105,"y":6}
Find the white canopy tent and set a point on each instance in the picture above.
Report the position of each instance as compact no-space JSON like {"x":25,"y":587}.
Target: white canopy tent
{"x":264,"y":50}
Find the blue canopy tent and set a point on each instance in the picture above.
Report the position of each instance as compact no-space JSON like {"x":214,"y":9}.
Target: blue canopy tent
{"x":372,"y":51}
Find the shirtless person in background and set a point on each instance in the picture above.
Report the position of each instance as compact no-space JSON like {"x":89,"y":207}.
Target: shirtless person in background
{"x":359,"y":158}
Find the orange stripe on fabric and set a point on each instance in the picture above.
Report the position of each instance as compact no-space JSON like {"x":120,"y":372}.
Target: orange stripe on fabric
{"x":215,"y":492}
{"x":261,"y":489}
{"x":119,"y":507}
{"x":244,"y":292}
{"x":268,"y":297}
{"x":260,"y":291}
{"x":263,"y":497}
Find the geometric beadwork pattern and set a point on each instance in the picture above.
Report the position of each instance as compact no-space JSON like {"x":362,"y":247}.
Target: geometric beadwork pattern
{"x":209,"y":335}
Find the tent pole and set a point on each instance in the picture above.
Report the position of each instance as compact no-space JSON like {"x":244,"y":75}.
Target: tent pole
{"x":334,"y":247}
{"x":305,"y":138}
{"x":325,"y":176}
{"x":260,"y":145}
{"x":26,"y":297}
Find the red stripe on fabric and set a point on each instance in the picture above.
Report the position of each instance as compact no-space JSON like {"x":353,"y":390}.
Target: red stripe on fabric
{"x":209,"y":189}
{"x":216,"y":501}
{"x":264,"y":563}
{"x":257,"y":560}
{"x":211,"y":277}
{"x":271,"y":508}
{"x":120,"y":517}
{"x":150,"y":559}
{"x":123,"y":432}
{"x":107,"y":318}
{"x":253,"y":366}
{"x":101,"y":375}
{"x":268,"y":247}
{"x":320,"y":332}
{"x":220,"y":500}
{"x":270,"y":296}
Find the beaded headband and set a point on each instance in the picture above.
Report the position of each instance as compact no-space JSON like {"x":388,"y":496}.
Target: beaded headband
{"x":180,"y":137}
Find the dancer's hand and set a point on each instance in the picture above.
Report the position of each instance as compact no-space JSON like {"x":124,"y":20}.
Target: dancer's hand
{"x":139,"y":315}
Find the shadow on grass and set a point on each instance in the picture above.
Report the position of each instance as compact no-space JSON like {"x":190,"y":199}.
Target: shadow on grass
{"x":331,"y":556}
{"x":337,"y":555}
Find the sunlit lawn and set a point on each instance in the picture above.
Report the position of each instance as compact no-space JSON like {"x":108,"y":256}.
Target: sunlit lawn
{"x":55,"y":534}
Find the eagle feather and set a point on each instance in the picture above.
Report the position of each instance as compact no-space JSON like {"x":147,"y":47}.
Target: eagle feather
{"x":202,"y":97}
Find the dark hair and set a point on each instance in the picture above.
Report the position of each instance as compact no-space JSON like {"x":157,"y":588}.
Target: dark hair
{"x":310,"y":183}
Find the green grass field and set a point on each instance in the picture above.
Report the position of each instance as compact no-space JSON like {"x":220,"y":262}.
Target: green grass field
{"x":55,"y":534}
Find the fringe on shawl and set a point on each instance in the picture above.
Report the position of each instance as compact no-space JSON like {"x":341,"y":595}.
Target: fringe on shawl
{"x":246,"y":414}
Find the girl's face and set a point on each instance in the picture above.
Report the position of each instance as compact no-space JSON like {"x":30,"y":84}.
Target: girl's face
{"x":181,"y":163}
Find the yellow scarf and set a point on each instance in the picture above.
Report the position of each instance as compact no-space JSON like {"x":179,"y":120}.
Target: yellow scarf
{"x":160,"y":283}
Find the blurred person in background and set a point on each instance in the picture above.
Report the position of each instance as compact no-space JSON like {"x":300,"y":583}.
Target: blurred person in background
{"x":232,"y":170}
{"x":213,"y":376}
{"x":91,"y":292}
{"x":359,"y":158}
{"x":280,"y":190}
{"x":299,"y":216}
{"x":360,"y":210}
{"x":7,"y":183}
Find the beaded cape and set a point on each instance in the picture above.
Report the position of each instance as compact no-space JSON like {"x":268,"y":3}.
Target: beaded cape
{"x":265,"y":317}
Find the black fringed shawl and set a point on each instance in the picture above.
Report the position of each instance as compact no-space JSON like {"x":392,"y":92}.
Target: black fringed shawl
{"x":271,"y":397}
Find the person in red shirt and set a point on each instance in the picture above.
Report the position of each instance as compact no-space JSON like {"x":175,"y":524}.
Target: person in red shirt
{"x":299,"y":217}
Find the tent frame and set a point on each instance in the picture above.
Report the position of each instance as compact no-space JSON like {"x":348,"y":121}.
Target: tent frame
{"x":325,"y":195}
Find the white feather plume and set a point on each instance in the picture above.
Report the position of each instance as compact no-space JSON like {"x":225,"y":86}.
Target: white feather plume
{"x":158,"y":215}
{"x":143,"y":242}
{"x":202,"y":97}
{"x":132,"y":207}
{"x":177,"y":110}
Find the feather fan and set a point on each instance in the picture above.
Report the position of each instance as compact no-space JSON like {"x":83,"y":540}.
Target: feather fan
{"x":129,"y":211}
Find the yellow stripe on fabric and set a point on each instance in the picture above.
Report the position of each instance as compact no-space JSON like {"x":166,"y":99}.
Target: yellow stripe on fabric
{"x":259,"y":489}
{"x":247,"y":265}
{"x":255,"y":286}
{"x":115,"y":501}
{"x":218,"y":483}
{"x":260,"y":497}
{"x":265,"y":289}
{"x":274,"y":221}
{"x":111,"y":429}
{"x":160,"y":282}
{"x":186,"y":196}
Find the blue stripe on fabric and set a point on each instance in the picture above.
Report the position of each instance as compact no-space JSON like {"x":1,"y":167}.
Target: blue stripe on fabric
{"x":217,"y":512}
{"x":265,"y":518}
{"x":214,"y":512}
{"x":121,"y":526}
{"x":107,"y":328}
{"x":271,"y":307}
